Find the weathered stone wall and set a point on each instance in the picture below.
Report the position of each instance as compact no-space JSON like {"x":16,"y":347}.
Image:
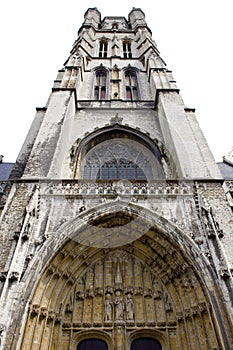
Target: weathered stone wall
{"x":71,"y":247}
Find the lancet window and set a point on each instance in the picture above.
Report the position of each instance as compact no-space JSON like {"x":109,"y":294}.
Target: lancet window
{"x":100,"y":86}
{"x":131,"y":85}
{"x":103,"y":48}
{"x":127,"y":53}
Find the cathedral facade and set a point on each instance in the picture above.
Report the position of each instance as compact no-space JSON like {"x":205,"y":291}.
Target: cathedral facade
{"x":116,"y":233}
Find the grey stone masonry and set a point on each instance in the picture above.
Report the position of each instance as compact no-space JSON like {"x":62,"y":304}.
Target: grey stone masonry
{"x":115,"y":198}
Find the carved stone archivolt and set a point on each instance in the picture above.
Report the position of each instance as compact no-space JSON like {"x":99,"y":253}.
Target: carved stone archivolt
{"x":117,"y":290}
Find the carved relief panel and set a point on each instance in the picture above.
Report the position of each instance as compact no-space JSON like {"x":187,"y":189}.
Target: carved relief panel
{"x":119,"y":289}
{"x":118,"y":297}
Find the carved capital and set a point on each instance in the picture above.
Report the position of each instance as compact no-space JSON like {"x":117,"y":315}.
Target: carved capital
{"x":43,"y":312}
{"x":14,"y":275}
{"x":202,"y":307}
{"x":51,"y":316}
{"x":35,"y":309}
{"x":25,"y":236}
{"x":80,"y":295}
{"x":16,"y":235}
{"x":224,"y":273}
{"x":179,"y":316}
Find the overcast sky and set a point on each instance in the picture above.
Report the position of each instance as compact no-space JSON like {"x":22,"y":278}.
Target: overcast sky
{"x":193,"y":37}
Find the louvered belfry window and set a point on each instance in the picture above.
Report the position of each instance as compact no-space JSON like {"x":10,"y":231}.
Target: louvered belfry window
{"x":131,"y":85}
{"x":100,"y":85}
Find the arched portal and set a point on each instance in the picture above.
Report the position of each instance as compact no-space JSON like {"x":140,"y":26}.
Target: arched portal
{"x":146,"y":285}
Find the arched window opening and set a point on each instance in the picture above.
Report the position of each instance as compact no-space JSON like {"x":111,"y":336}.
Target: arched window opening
{"x":131,"y":85}
{"x":100,"y":85}
{"x":103,"y":49}
{"x":127,"y":53}
{"x":119,"y":156}
{"x":92,"y":344}
{"x":145,"y":344}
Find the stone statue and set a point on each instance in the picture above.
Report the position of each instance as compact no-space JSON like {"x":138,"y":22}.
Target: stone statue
{"x":108,"y":308}
{"x":129,"y":307}
{"x":168,"y":304}
{"x":119,"y":307}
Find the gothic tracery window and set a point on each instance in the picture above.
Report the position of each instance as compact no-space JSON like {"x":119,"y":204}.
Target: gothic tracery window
{"x":120,"y":158}
{"x":131,"y":85}
{"x":100,"y":85}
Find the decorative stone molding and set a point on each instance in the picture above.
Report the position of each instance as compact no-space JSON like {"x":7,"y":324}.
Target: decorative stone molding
{"x":224,"y":273}
{"x":43,"y":312}
{"x":58,"y":318}
{"x":14,"y":275}
{"x":16,"y":235}
{"x":25,"y":236}
{"x":51,"y":316}
{"x":35,"y":310}
{"x":92,"y":188}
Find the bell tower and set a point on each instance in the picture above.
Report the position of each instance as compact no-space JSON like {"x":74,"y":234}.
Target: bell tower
{"x":116,"y":233}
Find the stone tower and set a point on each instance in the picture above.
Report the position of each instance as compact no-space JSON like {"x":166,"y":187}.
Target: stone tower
{"x":115,"y":233}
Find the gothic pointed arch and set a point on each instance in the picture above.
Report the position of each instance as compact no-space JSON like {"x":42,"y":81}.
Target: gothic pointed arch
{"x":131,"y":83}
{"x":119,"y":152}
{"x":151,"y":285}
{"x":100,"y":83}
{"x":116,"y":232}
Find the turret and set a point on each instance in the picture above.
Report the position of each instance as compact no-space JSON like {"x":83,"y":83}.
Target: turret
{"x":92,"y":17}
{"x":137,"y":18}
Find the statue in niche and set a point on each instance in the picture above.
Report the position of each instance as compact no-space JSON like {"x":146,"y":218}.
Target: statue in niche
{"x":168,"y":304}
{"x":119,"y":307}
{"x":69,"y":305}
{"x":129,"y":307}
{"x":157,"y":290}
{"x":108,"y":308}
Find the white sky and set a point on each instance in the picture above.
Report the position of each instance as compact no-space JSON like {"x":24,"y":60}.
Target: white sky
{"x":193,"y":37}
